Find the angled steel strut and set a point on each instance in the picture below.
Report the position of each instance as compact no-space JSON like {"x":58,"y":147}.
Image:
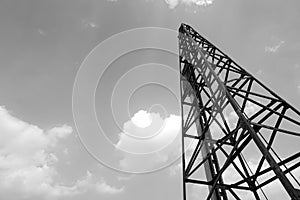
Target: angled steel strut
{"x":237,"y":135}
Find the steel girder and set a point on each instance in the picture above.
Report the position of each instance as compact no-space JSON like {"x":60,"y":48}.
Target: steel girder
{"x":241,"y":135}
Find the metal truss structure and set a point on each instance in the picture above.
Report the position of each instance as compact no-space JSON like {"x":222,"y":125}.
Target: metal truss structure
{"x":238,"y":137}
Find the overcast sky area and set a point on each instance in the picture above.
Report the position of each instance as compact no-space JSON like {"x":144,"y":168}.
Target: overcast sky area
{"x":44,"y":44}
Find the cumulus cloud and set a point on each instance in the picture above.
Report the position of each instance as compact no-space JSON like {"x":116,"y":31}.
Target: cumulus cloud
{"x":144,"y":148}
{"x":142,"y":140}
{"x":88,"y":183}
{"x":27,"y":162}
{"x":157,"y":145}
{"x":174,"y":3}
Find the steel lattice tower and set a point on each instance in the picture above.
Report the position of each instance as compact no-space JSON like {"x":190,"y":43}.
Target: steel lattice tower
{"x":243,"y":137}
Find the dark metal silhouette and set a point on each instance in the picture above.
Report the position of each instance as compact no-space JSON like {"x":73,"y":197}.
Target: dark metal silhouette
{"x":245,"y":136}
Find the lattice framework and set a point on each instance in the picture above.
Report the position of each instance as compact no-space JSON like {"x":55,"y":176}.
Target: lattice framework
{"x":231,"y":118}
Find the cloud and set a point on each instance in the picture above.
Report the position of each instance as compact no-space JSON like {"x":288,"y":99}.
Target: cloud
{"x":27,"y":162}
{"x":142,"y":119}
{"x":274,"y":48}
{"x":174,"y":3}
{"x":88,"y":183}
{"x":148,"y":147}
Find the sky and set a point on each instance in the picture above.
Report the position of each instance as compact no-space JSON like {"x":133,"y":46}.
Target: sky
{"x":49,"y":147}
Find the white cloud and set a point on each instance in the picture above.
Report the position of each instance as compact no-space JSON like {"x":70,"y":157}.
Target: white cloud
{"x":142,"y":119}
{"x":174,"y":3}
{"x":274,"y":48}
{"x":88,"y":183}
{"x":146,"y":148}
{"x":27,"y":162}
{"x":150,"y":139}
